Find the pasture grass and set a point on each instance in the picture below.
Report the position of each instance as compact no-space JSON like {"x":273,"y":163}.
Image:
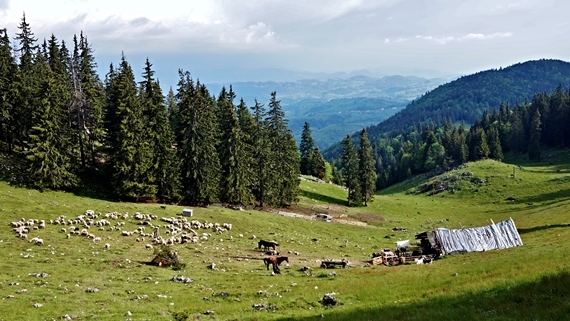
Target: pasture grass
{"x":530,"y":282}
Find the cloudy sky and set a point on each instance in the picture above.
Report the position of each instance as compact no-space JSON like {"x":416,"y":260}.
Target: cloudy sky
{"x":421,"y":37}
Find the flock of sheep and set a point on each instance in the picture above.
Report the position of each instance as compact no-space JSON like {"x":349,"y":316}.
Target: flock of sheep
{"x":176,"y":230}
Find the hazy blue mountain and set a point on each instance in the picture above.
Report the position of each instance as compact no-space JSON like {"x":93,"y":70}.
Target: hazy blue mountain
{"x":335,"y":106}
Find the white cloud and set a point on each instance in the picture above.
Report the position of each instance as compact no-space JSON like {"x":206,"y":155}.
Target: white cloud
{"x":466,"y":37}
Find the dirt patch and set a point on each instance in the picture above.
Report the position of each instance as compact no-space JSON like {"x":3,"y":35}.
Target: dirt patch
{"x":367,"y":217}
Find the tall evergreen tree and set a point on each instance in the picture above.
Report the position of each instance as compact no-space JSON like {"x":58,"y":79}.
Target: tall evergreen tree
{"x":306,"y":148}
{"x":233,"y":151}
{"x":48,"y":148}
{"x":535,"y":132}
{"x":559,"y":121}
{"x":481,"y":148}
{"x":494,"y":143}
{"x":8,"y":68}
{"x":88,"y":102}
{"x":284,"y":157}
{"x":349,"y":161}
{"x":26,"y":82}
{"x":366,"y":168}
{"x":159,"y":135}
{"x":197,"y":148}
{"x":517,"y":133}
{"x":131,"y":155}
{"x":261,"y":153}
{"x":318,"y":164}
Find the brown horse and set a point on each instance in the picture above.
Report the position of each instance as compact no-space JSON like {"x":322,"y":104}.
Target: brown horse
{"x":275,"y":261}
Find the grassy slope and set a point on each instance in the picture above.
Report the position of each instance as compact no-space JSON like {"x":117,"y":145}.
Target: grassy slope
{"x":528,"y":282}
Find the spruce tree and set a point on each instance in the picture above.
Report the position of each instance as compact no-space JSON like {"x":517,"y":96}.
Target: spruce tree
{"x":283,"y":158}
{"x":318,"y":164}
{"x":366,"y":168}
{"x":517,"y":132}
{"x":49,"y":160}
{"x":131,"y":155}
{"x":159,"y":135}
{"x":306,"y":148}
{"x":200,"y":166}
{"x":260,"y":153}
{"x":26,"y":82}
{"x":233,"y":153}
{"x":8,"y":68}
{"x":349,"y":161}
{"x":494,"y":143}
{"x":91,"y":95}
{"x":535,"y":132}
{"x":481,"y":148}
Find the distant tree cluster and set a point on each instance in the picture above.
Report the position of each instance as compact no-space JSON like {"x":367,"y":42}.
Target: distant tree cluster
{"x":189,"y":146}
{"x":357,"y":170}
{"x":523,"y":129}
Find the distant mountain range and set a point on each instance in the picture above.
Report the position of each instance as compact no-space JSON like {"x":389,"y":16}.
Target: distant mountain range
{"x":335,"y":107}
{"x":465,"y":98}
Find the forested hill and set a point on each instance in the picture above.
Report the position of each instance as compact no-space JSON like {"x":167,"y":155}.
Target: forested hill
{"x":465,"y":99}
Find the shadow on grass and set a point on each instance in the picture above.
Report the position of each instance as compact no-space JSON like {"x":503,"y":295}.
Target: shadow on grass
{"x":541,"y":227}
{"x":546,"y":197}
{"x":545,"y":299}
{"x":322,"y":198}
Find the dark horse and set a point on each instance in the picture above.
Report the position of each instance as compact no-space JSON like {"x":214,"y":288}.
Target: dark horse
{"x":266,"y":244}
{"x":275,"y":261}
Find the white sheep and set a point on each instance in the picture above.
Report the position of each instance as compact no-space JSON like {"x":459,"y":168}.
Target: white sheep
{"x":107,"y":246}
{"x":148,"y":246}
{"x":96,"y":239}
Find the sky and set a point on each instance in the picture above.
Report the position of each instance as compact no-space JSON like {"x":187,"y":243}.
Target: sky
{"x":228,"y":40}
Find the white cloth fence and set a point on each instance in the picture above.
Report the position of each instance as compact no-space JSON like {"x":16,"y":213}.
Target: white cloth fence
{"x":491,"y":237}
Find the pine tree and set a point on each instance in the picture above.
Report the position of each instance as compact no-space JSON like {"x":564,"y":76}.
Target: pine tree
{"x":306,"y":148}
{"x":48,"y":150}
{"x":283,"y":158}
{"x":535,"y":132}
{"x":260,"y":153}
{"x":131,"y":155}
{"x":89,"y":92}
{"x":559,"y":122}
{"x":349,"y":160}
{"x":480,"y":149}
{"x":366,"y":168}
{"x":494,"y":143}
{"x":516,"y":139}
{"x":318,"y":164}
{"x":26,"y":82}
{"x":159,"y":135}
{"x":197,"y":146}
{"x":8,"y":68}
{"x":233,"y":152}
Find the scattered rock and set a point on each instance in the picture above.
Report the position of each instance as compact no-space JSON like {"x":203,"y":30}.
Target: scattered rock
{"x":183,"y":279}
{"x":329,"y":299}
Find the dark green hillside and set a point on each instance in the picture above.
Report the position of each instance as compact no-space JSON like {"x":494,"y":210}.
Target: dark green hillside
{"x":465,"y":98}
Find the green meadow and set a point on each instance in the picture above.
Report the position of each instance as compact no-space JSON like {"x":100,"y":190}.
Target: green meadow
{"x":530,"y":282}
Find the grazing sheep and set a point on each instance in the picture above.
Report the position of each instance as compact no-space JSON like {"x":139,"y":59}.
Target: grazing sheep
{"x":148,"y":246}
{"x":96,"y":239}
{"x":63,"y":230}
{"x":107,"y":246}
{"x":67,"y":236}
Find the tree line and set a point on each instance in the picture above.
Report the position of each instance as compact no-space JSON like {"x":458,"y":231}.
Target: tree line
{"x":188,"y":145}
{"x":524,"y":129}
